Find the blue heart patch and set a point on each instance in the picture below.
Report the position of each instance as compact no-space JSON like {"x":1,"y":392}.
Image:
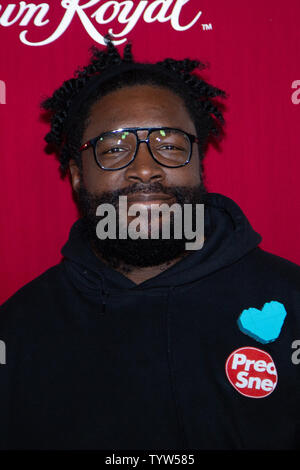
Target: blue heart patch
{"x":263,"y":325}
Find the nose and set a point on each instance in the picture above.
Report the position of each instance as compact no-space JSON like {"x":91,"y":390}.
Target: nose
{"x":144,"y":168}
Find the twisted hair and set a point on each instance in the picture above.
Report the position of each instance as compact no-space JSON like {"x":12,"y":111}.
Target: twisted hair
{"x":69,"y":106}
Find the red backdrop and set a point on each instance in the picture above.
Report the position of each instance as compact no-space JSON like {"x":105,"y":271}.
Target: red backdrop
{"x":253,"y":49}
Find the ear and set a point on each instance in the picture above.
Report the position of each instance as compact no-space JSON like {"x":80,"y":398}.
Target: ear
{"x":75,"y":175}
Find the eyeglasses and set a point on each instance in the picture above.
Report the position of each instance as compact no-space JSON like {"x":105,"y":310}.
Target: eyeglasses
{"x":116,"y":149}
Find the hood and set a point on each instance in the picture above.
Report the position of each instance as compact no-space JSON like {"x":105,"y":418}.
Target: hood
{"x":230,"y":238}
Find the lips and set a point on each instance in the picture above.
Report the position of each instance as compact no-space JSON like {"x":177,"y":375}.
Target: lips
{"x":147,"y":197}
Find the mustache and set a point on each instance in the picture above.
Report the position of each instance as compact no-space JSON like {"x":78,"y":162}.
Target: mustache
{"x":180,"y":193}
{"x":154,"y":187}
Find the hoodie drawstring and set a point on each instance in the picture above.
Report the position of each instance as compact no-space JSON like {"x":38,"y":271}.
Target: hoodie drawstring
{"x":103,"y":306}
{"x":104,"y":296}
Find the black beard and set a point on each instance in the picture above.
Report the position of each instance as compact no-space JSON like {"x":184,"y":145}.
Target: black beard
{"x":127,"y":253}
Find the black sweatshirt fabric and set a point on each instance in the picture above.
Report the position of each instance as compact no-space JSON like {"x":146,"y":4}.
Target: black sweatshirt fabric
{"x":95,"y":361}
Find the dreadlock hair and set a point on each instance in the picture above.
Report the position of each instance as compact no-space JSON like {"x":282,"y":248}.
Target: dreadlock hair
{"x":69,"y":106}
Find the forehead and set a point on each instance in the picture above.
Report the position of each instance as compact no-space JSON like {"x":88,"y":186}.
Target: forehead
{"x":138,"y":106}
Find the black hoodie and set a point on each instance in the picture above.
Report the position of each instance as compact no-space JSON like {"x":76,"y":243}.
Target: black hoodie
{"x":95,"y":361}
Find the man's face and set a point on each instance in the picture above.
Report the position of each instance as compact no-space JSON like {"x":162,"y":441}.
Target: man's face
{"x":136,"y":106}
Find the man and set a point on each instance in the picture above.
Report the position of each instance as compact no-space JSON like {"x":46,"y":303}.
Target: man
{"x":142,"y":343}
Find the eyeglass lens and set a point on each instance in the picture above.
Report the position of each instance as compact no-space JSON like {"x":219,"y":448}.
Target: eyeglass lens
{"x":169,"y":147}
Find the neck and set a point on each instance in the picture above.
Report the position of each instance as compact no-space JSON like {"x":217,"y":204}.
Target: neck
{"x":140,"y":274}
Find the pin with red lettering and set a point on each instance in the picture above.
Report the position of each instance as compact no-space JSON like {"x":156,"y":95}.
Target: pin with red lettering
{"x":252,"y":372}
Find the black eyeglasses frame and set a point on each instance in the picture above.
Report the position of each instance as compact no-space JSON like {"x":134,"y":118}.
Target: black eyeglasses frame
{"x":93,"y":142}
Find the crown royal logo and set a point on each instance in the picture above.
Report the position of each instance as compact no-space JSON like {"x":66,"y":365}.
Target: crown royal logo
{"x":94,"y":14}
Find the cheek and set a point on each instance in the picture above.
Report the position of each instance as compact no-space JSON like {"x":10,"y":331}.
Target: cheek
{"x":188,"y":175}
{"x":195,"y":167}
{"x":97,"y":180}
